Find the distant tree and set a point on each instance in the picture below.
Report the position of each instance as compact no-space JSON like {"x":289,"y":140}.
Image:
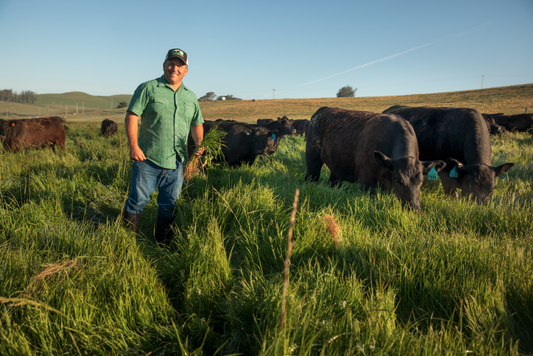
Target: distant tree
{"x":27,"y":97}
{"x":6,"y":95}
{"x":346,"y":92}
{"x":228,"y":97}
{"x":208,"y":96}
{"x":122,"y":104}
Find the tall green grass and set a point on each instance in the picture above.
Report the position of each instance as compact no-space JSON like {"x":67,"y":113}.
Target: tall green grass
{"x":366,"y":276}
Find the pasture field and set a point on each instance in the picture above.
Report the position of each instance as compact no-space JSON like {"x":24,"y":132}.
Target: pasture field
{"x":366,"y":277}
{"x":82,"y":107}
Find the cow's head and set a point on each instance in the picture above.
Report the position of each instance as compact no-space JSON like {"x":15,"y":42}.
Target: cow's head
{"x":272,"y":141}
{"x":407,"y":177}
{"x":476,"y":181}
{"x":286,"y":126}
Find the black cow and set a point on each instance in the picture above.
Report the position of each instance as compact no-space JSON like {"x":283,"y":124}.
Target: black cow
{"x":459,"y":136}
{"x":109,"y":128}
{"x":242,"y":142}
{"x":19,"y":135}
{"x":373,"y":149}
{"x":300,"y":126}
{"x":492,"y":126}
{"x":519,"y":122}
{"x":282,"y":125}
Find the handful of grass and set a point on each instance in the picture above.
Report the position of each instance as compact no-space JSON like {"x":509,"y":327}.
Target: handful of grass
{"x":212,"y":144}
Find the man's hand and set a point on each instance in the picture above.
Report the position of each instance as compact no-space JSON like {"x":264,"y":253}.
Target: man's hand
{"x":199,"y":152}
{"x":137,"y":154}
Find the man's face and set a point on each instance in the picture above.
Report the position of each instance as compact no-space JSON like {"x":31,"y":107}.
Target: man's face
{"x":174,"y":70}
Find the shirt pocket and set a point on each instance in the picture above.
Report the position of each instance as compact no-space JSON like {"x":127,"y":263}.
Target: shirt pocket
{"x":160,"y":105}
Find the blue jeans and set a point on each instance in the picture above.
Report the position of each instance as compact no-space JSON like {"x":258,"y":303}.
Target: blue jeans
{"x":148,"y":177}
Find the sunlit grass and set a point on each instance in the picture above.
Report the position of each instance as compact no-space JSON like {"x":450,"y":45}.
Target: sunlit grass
{"x":366,"y":276}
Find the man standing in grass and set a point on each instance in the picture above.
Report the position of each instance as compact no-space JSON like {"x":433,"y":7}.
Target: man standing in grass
{"x":168,"y":110}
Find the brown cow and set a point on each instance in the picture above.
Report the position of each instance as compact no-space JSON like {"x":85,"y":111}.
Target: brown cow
{"x":20,"y":135}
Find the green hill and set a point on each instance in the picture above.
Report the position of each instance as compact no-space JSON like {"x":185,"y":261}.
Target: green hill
{"x":78,"y":98}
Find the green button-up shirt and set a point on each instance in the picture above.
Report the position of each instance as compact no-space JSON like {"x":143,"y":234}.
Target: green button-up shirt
{"x":166,"y":117}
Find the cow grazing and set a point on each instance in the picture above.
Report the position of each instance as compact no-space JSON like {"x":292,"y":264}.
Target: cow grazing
{"x":109,"y":128}
{"x":492,"y":126}
{"x":519,"y":122}
{"x":373,"y":149}
{"x":242,"y":142}
{"x":20,"y":135}
{"x":460,"y":137}
{"x":300,"y":126}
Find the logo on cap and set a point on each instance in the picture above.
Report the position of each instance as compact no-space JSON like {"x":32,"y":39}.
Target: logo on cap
{"x":177,"y":52}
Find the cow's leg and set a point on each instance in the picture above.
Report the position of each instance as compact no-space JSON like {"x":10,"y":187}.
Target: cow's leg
{"x":334,"y":181}
{"x":313,"y":163}
{"x":368,"y":187}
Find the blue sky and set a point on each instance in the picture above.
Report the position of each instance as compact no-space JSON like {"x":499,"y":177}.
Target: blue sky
{"x":302,"y":49}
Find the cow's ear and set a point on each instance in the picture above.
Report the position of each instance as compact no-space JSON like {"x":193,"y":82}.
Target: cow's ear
{"x":454,"y":167}
{"x":438,"y":164}
{"x":504,"y":168}
{"x":453,"y":162}
{"x":382,"y":160}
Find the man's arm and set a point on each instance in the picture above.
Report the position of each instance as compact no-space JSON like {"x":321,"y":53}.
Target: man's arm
{"x":132,"y":128}
{"x":197,"y":133}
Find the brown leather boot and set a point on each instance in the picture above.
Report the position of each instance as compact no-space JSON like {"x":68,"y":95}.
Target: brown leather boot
{"x":131,"y":221}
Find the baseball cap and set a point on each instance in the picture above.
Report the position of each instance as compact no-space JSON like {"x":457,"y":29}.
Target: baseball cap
{"x":177,"y":53}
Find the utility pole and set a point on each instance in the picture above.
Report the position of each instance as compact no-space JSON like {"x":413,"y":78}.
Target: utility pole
{"x":273,"y":93}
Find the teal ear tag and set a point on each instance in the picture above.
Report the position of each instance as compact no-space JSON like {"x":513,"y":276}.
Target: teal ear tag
{"x":454,"y":173}
{"x":273,"y":136}
{"x":504,"y":176}
{"x":432,"y":175}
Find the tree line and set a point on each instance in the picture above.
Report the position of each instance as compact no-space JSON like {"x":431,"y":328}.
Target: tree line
{"x":25,"y":96}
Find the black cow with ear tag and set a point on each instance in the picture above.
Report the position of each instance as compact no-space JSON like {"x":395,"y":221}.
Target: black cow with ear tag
{"x":460,"y":137}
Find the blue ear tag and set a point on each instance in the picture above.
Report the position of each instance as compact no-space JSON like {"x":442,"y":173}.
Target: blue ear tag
{"x":273,"y":136}
{"x":454,"y":173}
{"x":432,"y":175}
{"x":248,"y":133}
{"x":504,"y":176}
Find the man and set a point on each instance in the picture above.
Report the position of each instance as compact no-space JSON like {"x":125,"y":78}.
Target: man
{"x":168,"y":110}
